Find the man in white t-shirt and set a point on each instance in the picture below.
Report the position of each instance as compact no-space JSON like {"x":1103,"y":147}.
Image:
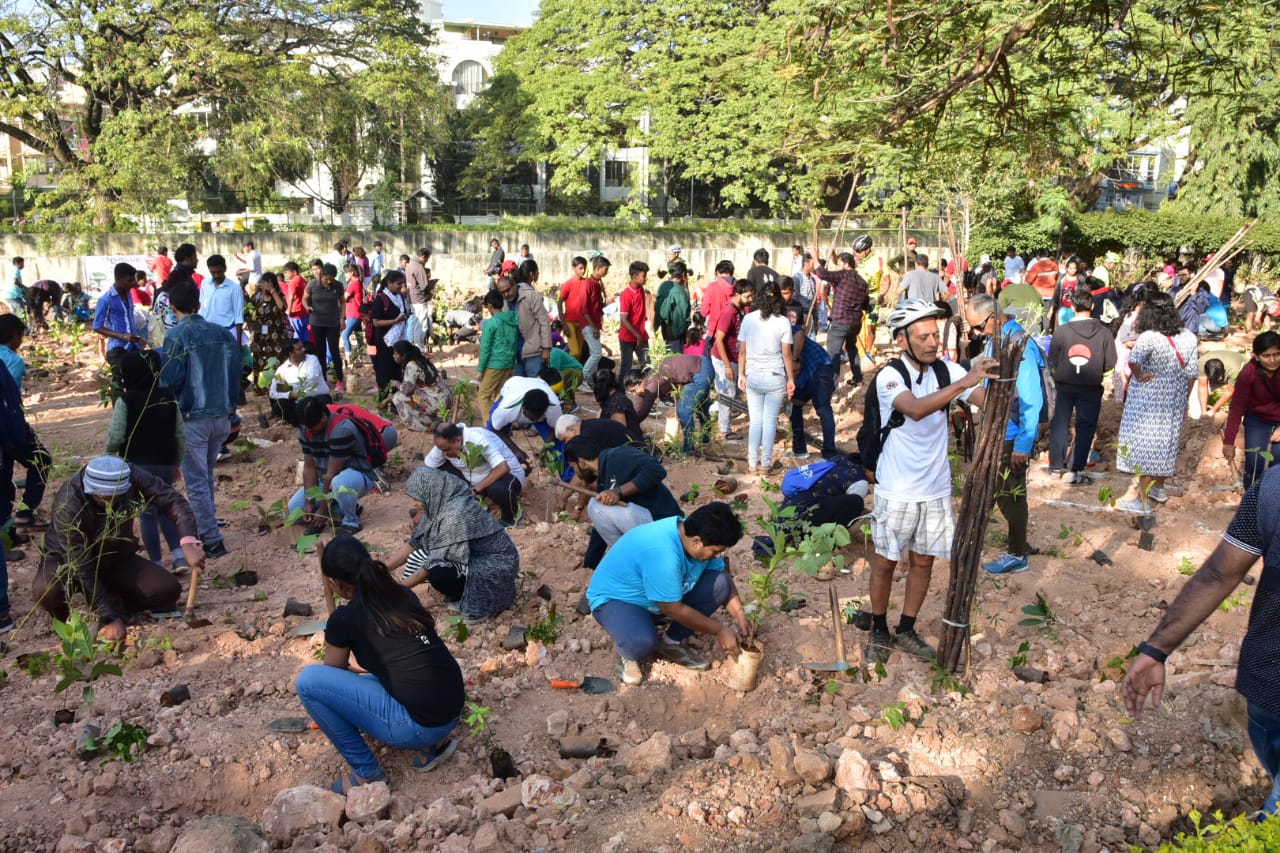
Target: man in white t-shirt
{"x":913,"y":516}
{"x":1014,"y":265}
{"x":483,"y":460}
{"x":252,"y":260}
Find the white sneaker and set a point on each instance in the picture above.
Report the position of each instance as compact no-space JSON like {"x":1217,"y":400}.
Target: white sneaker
{"x":791,"y":456}
{"x":1135,"y":506}
{"x":630,"y":672}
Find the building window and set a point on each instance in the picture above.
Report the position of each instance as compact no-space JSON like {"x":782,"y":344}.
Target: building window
{"x":617,"y":173}
{"x":469,"y":78}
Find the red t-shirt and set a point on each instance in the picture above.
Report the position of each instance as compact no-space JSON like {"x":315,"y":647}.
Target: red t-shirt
{"x":293,"y":289}
{"x":729,"y":322}
{"x":715,"y":296}
{"x":161,"y":265}
{"x":140,"y":297}
{"x":355,"y":298}
{"x":631,"y":304}
{"x":1043,"y":276}
{"x":576,"y":294}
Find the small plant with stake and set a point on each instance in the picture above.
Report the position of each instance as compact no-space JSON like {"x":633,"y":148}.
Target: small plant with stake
{"x":82,"y":659}
{"x":122,"y":742}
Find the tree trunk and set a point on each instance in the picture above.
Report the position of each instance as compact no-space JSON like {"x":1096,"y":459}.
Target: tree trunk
{"x":103,"y":206}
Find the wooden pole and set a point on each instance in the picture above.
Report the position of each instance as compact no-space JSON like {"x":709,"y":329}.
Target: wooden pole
{"x":975,"y":504}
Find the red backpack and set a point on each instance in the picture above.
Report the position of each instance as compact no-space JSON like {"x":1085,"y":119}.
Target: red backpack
{"x":369,"y":425}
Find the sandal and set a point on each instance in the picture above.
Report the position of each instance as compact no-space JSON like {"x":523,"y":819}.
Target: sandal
{"x":430,"y":758}
{"x":351,"y":780}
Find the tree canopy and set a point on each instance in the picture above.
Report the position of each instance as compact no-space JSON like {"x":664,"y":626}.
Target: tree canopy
{"x":118,"y":92}
{"x":790,"y":101}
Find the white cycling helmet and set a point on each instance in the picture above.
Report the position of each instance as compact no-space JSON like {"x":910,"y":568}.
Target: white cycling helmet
{"x":911,"y":311}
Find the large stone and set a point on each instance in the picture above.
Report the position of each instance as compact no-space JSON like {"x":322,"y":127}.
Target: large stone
{"x":75,"y":844}
{"x":558,"y":723}
{"x":854,"y":773}
{"x":1026,"y":719}
{"x":503,"y":803}
{"x":295,"y":810}
{"x":650,"y":756}
{"x":781,"y":760}
{"x":812,"y":767}
{"x":486,"y":840}
{"x":444,"y":814}
{"x":537,"y":791}
{"x":367,"y":803}
{"x":224,"y":834}
{"x":827,"y":800}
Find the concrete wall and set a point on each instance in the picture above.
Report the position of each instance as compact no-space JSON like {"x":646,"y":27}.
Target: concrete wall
{"x":457,"y":259}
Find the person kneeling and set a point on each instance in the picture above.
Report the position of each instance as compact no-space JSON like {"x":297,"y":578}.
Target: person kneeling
{"x":461,"y":550}
{"x":673,"y":568}
{"x":410,"y":695}
{"x":90,"y":547}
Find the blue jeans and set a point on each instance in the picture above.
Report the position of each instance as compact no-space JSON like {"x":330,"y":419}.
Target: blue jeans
{"x":204,"y":440}
{"x":301,"y":328}
{"x":594,"y":350}
{"x":1257,"y":436}
{"x":818,"y":391}
{"x":631,"y":626}
{"x":1264,"y":734}
{"x":529,"y":366}
{"x":353,"y":323}
{"x":765,"y":395}
{"x":693,"y":402}
{"x":153,"y":522}
{"x":346,"y":706}
{"x":348,"y":487}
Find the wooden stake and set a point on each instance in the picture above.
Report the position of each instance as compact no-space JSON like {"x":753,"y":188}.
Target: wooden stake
{"x":975,"y":505}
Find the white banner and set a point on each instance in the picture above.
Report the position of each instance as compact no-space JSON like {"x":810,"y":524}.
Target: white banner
{"x":99,"y":271}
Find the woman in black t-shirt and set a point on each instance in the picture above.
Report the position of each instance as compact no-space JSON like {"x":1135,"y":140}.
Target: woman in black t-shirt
{"x":411,"y":694}
{"x":324,"y":298}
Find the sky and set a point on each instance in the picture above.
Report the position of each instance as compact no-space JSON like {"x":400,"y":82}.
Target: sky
{"x":492,"y":11}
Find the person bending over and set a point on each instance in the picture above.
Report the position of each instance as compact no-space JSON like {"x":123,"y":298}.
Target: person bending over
{"x":461,"y":550}
{"x":404,"y":690}
{"x":671,"y":568}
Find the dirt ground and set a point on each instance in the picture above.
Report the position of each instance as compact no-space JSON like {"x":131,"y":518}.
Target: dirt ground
{"x":1003,"y":764}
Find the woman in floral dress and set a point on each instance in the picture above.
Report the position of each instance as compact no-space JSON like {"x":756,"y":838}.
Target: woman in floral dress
{"x":269,"y":328}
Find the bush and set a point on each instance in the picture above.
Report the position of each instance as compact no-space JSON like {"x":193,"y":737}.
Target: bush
{"x":1238,"y":834}
{"x":1153,"y":232}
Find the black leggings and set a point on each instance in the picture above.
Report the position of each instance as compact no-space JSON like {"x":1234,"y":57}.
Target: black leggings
{"x":327,"y":338}
{"x":447,"y":580}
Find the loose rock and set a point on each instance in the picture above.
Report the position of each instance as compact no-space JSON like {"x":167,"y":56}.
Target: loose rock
{"x":224,"y":834}
{"x":296,"y":810}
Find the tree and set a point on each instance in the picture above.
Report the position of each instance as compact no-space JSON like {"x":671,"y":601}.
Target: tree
{"x":89,"y":83}
{"x":690,"y":81}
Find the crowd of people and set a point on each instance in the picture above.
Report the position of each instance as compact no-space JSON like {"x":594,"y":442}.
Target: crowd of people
{"x":185,"y":349}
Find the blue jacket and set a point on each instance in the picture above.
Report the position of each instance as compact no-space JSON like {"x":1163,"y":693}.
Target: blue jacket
{"x":202,"y":368}
{"x":1024,"y":425}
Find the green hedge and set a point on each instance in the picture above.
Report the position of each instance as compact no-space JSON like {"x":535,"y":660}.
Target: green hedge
{"x":1235,"y":836}
{"x":1152,"y":232}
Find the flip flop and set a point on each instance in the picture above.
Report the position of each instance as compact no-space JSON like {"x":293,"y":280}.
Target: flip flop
{"x":429,"y":759}
{"x":351,"y":780}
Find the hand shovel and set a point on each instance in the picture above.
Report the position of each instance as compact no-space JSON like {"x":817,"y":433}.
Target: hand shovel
{"x":839,"y":664}
{"x":591,"y":684}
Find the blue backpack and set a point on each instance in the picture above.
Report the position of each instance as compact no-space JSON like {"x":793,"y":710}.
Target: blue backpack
{"x":808,"y":483}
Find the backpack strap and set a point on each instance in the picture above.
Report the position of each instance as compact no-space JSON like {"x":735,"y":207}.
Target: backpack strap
{"x":896,"y":417}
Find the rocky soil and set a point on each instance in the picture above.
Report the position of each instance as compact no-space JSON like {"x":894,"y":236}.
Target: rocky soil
{"x":899,"y":761}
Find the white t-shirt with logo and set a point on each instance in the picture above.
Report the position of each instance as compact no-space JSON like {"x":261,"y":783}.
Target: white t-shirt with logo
{"x":913,"y":463}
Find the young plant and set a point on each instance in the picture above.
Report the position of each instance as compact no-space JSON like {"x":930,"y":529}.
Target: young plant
{"x":1019,"y":658}
{"x":1041,"y":617}
{"x":1068,"y":533}
{"x":547,"y":630}
{"x":1185,"y":566}
{"x":82,"y":659}
{"x":457,"y":629}
{"x":122,"y":742}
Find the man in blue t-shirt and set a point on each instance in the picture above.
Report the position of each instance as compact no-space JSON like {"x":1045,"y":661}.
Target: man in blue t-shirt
{"x":1252,"y":533}
{"x":673,"y":568}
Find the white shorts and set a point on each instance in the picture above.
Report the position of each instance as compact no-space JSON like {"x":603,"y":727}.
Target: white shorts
{"x":925,"y":527}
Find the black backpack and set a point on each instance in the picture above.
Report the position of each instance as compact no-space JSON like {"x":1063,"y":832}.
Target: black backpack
{"x":872,"y":434}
